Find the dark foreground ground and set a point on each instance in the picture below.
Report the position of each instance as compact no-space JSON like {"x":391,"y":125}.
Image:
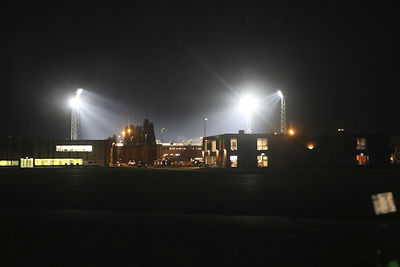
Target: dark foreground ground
{"x":152,"y":217}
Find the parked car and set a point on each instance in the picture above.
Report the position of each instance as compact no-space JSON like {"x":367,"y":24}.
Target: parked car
{"x":142,"y":164}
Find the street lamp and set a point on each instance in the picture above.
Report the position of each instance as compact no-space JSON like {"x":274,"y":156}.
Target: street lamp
{"x":283,"y":111}
{"x":248,"y":104}
{"x":75,"y":115}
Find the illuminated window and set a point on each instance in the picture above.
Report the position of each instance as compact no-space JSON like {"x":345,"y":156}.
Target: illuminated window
{"x":233,"y":144}
{"x":362,"y":159}
{"x":213,"y":145}
{"x":233,"y":160}
{"x":205,"y":145}
{"x":74,"y":148}
{"x":262,"y":143}
{"x":9,"y":163}
{"x":361,"y":144}
{"x":262,"y":161}
{"x":212,"y":161}
{"x":26,"y":162}
{"x":58,"y":162}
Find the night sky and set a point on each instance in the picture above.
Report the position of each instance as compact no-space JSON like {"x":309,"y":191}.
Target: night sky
{"x":176,"y":64}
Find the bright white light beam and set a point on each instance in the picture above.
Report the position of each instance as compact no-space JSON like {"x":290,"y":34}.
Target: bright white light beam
{"x":248,"y":104}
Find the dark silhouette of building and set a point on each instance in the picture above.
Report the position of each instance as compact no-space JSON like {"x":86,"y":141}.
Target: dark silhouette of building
{"x":301,"y":150}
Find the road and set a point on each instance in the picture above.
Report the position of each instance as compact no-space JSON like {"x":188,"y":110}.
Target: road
{"x":153,"y":217}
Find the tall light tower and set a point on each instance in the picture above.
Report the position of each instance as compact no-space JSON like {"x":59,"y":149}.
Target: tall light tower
{"x":75,"y":115}
{"x":283,"y":112}
{"x":162,"y":134}
{"x":205,"y":124}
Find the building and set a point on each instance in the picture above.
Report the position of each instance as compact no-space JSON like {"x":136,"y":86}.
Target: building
{"x":284,"y":151}
{"x":180,"y":151}
{"x":34,"y":152}
{"x":125,"y":153}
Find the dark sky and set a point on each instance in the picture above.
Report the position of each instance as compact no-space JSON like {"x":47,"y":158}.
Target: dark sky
{"x":175,"y":64}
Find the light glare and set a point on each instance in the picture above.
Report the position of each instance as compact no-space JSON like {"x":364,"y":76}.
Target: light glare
{"x":79,"y":92}
{"x":248,"y":104}
{"x":74,"y":102}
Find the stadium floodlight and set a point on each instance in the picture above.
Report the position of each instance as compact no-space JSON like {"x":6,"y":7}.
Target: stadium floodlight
{"x":79,"y":92}
{"x":248,"y":104}
{"x":283,"y":111}
{"x":205,"y":125}
{"x":75,"y":115}
{"x":74,"y":102}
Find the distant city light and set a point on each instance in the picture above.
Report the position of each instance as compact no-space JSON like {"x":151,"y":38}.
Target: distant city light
{"x":291,"y":132}
{"x":123,"y":132}
{"x":310,"y":146}
{"x":129,"y":130}
{"x":280,"y":93}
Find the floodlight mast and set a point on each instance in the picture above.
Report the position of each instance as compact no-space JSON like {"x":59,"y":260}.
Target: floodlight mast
{"x":76,"y":116}
{"x":283,"y":112}
{"x":249,"y":130}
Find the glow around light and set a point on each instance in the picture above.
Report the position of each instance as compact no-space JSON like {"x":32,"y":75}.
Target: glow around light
{"x":74,"y":102}
{"x":248,"y":104}
{"x":79,"y":92}
{"x":291,"y":132}
{"x":280,"y":93}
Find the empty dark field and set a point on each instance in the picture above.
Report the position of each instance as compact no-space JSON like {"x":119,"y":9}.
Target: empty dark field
{"x":142,"y":217}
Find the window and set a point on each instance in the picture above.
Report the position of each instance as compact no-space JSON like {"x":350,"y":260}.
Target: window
{"x":262,"y":143}
{"x":205,"y":146}
{"x":8,"y":163}
{"x":262,"y":161}
{"x":362,"y":159}
{"x":233,"y":160}
{"x":212,"y":161}
{"x":74,"y":148}
{"x":361,"y":144}
{"x":58,"y":162}
{"x":233,"y":144}
{"x":213,"y":145}
{"x":26,"y":162}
